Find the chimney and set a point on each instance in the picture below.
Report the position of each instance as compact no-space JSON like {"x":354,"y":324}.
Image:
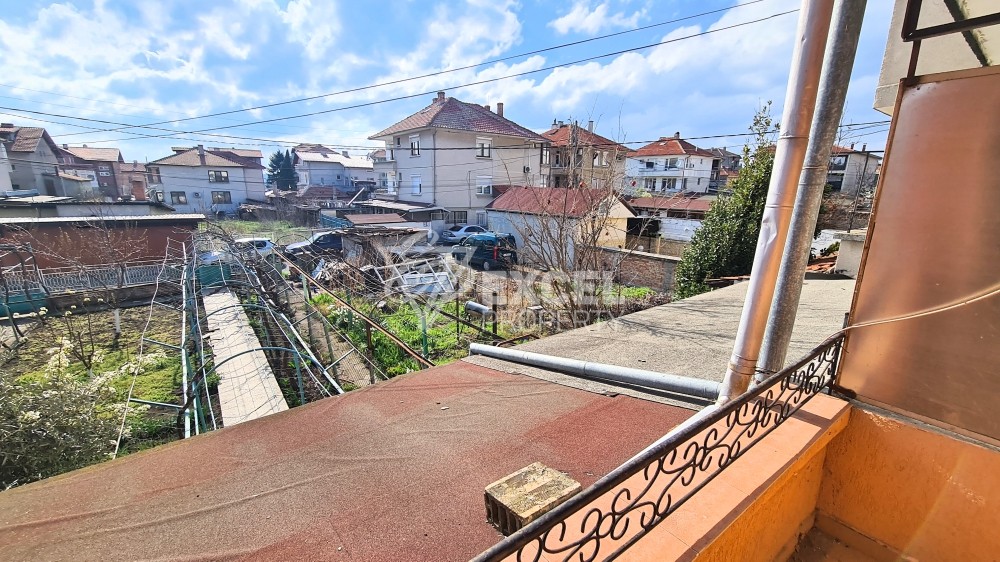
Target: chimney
{"x":346,"y":155}
{"x":7,"y":125}
{"x":201,"y":154}
{"x":65,"y":146}
{"x":852,"y":146}
{"x":590,"y":126}
{"x":864,"y":147}
{"x":500,"y":108}
{"x":562,"y":123}
{"x":677,"y":135}
{"x":554,"y":123}
{"x":440,"y":97}
{"x":84,"y":146}
{"x":487,"y":106}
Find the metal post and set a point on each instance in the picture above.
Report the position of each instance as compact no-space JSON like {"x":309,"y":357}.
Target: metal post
{"x":833,"y":91}
{"x":458,"y":325}
{"x":371,"y":351}
{"x":800,"y":103}
{"x":494,"y":313}
{"x":423,"y":333}
{"x":298,"y":377}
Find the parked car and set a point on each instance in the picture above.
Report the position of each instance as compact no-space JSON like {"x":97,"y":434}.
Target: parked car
{"x":263,"y":246}
{"x":458,"y":233}
{"x":489,"y":250}
{"x":319,"y":243}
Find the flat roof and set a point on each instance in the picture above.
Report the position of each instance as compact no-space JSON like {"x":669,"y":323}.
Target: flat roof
{"x":394,"y":471}
{"x":383,"y":218}
{"x":398,"y":205}
{"x":107,"y":218}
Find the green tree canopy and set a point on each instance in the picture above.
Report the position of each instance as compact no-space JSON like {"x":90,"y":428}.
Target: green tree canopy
{"x":726,"y":242}
{"x":286,"y":179}
{"x":274,"y":166}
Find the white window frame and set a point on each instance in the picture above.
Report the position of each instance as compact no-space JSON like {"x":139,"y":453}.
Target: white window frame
{"x":546,"y":156}
{"x":178,"y":198}
{"x":218,"y":176}
{"x":484,"y":185}
{"x":415,"y":145}
{"x":222,"y":198}
{"x":484,"y":147}
{"x":416,"y":185}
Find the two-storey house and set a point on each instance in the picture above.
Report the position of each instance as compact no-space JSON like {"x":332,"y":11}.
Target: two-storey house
{"x":101,"y":165}
{"x":670,"y":165}
{"x":321,"y":166}
{"x":31,"y":159}
{"x":852,"y":170}
{"x":207,"y":180}
{"x":452,"y":154}
{"x":579,"y":157}
{"x":725,"y":166}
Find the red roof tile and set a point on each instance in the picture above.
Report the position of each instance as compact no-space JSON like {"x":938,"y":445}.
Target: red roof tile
{"x":555,"y":201}
{"x":562,"y":135}
{"x":94,"y":154}
{"x":450,"y":113}
{"x":671,"y":146}
{"x":220,"y":158}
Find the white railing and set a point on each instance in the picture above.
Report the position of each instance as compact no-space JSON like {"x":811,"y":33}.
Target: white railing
{"x":68,"y":279}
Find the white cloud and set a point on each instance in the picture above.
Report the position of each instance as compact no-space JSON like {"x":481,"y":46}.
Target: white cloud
{"x":582,"y":19}
{"x":315,"y":26}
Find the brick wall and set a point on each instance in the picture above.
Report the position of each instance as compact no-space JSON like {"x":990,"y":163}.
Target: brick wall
{"x":641,"y":269}
{"x":657,"y":245}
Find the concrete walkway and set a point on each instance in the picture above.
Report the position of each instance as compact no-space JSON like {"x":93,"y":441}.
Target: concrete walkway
{"x":247,"y":387}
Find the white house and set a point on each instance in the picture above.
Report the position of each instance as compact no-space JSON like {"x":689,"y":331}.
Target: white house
{"x":452,"y":153}
{"x":852,"y":170}
{"x":31,"y":159}
{"x":669,"y":165}
{"x":318,"y":165}
{"x":206,"y":180}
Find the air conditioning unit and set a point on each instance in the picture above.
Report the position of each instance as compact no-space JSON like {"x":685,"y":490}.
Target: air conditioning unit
{"x":527,"y":169}
{"x":196,"y":195}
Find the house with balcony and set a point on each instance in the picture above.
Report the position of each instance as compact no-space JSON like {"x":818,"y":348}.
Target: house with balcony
{"x":322,"y":167}
{"x":670,"y":165}
{"x":102,"y":165}
{"x":206,"y":180}
{"x":853,"y":170}
{"x":579,"y":157}
{"x":453,"y":154}
{"x":725,"y":166}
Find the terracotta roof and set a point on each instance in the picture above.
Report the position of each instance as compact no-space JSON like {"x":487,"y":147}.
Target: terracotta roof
{"x":244,"y":152}
{"x":555,"y":201}
{"x":26,"y":138}
{"x":672,"y":203}
{"x":394,"y":471}
{"x":133,"y":167}
{"x":450,"y":113}
{"x":216,"y":158}
{"x":561,"y":136}
{"x":385,"y":218}
{"x":671,"y":146}
{"x":94,"y":154}
{"x":848,"y":150}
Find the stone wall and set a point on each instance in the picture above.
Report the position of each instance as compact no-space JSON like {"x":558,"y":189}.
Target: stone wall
{"x":641,"y":269}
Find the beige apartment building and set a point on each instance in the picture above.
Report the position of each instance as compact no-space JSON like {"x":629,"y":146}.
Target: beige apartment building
{"x":457,"y":156}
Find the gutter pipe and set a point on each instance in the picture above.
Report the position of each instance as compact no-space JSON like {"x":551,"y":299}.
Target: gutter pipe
{"x":689,"y":386}
{"x":800,"y":103}
{"x":836,"y":76}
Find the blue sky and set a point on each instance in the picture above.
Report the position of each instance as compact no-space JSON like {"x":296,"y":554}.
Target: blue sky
{"x":140,"y":62}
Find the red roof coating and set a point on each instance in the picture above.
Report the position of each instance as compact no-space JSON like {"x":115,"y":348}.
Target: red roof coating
{"x":671,"y":146}
{"x":218,"y":158}
{"x":90,"y":153}
{"x":672,"y":203}
{"x":562,"y":136}
{"x":555,"y":201}
{"x":394,"y":471}
{"x":26,"y":138}
{"x":450,"y":113}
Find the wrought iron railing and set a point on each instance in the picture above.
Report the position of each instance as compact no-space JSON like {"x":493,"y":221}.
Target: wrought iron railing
{"x":61,"y":280}
{"x":607,"y":518}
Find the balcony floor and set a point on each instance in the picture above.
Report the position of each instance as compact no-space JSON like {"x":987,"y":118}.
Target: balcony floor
{"x":817,"y":546}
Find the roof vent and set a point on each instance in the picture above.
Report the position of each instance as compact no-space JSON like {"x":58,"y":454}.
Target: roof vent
{"x":677,"y":135}
{"x":522,"y":497}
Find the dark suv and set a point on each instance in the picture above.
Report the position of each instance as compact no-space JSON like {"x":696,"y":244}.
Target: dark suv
{"x":489,"y":250}
{"x":319,"y":243}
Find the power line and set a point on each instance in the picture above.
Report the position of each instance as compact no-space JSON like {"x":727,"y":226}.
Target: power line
{"x":440,"y":72}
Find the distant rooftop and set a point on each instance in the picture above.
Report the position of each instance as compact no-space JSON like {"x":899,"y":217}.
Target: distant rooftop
{"x":450,"y":113}
{"x":671,"y":146}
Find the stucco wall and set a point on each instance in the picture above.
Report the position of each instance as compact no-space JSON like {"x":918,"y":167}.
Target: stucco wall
{"x":921,"y":493}
{"x":243,"y":183}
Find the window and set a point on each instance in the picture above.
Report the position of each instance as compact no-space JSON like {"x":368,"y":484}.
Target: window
{"x":484,"y":185}
{"x":103,"y":167}
{"x":104,"y":173}
{"x":178,"y":198}
{"x":460,"y":217}
{"x":439,"y":215}
{"x":483,"y":147}
{"x":670,"y":183}
{"x":218,"y":176}
{"x":699,"y":181}
{"x":671,"y":163}
{"x":415,"y":185}
{"x":546,"y":156}
{"x":545,"y":181}
{"x":414,"y":145}
{"x":221,"y":197}
{"x":153,"y":174}
{"x":604,"y":158}
{"x":649,"y":184}
{"x":684,"y":185}
{"x":649,"y":165}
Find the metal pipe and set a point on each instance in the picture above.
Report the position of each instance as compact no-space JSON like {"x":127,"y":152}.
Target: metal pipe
{"x":700,"y":388}
{"x":836,"y":76}
{"x":800,"y":103}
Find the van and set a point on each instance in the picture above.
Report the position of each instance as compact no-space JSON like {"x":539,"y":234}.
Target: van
{"x":489,"y":250}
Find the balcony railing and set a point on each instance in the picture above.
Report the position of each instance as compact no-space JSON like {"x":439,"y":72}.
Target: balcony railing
{"x":607,"y":518}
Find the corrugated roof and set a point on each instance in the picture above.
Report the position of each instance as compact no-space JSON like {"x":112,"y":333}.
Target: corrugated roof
{"x":213,"y":158}
{"x":94,"y":154}
{"x":450,"y":113}
{"x":554,"y":201}
{"x":393,"y":471}
{"x":672,"y":203}
{"x":671,"y":146}
{"x":384,"y":218}
{"x":562,"y":136}
{"x":110,"y":218}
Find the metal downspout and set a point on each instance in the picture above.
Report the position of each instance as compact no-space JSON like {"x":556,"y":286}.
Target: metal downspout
{"x":689,"y":386}
{"x":800,"y":103}
{"x":837,"y":67}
